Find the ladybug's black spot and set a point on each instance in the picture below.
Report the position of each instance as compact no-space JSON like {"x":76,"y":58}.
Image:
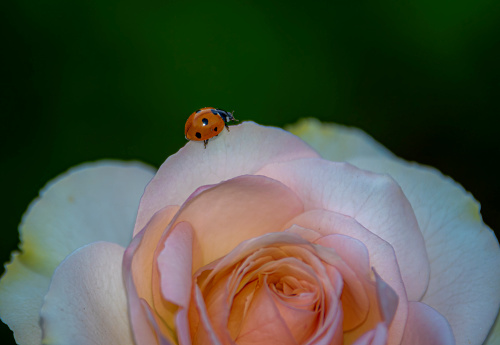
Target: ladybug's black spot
{"x":215,"y":129}
{"x":205,"y":121}
{"x":198,"y":135}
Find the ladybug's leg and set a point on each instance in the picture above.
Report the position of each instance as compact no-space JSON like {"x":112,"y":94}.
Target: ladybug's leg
{"x":205,"y":142}
{"x":227,"y":127}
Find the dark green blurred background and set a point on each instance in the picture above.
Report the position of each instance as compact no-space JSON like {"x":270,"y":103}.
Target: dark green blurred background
{"x":85,"y":80}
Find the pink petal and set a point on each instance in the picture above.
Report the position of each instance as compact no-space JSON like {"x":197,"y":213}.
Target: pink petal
{"x":264,"y":323}
{"x":201,"y":327}
{"x":306,"y":233}
{"x":277,"y":256}
{"x":381,"y":254}
{"x":139,"y":310}
{"x":387,"y":299}
{"x":86,"y":301}
{"x":377,"y":336}
{"x":375,"y":201}
{"x":384,"y":304}
{"x":227,"y":289}
{"x":234,"y":211}
{"x":154,"y":323}
{"x":302,"y":319}
{"x":175,"y":265}
{"x":182,"y":327}
{"x":276,"y":253}
{"x":138,"y":269}
{"x":246,"y":248}
{"x":356,"y":282}
{"x":463,"y":252}
{"x":244,"y":150}
{"x":427,"y":327}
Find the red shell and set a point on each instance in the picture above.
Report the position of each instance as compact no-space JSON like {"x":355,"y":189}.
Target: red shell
{"x":203,"y":124}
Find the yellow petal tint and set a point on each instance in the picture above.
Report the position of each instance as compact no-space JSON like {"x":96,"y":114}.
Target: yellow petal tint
{"x":337,"y":143}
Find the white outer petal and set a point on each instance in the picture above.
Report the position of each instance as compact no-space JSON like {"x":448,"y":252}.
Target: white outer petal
{"x":457,"y":240}
{"x":86,"y":302}
{"x":463,"y":252}
{"x":337,"y":143}
{"x":91,"y":202}
{"x":375,"y":201}
{"x":426,"y":327}
{"x":494,"y":335}
{"x":21,"y":296}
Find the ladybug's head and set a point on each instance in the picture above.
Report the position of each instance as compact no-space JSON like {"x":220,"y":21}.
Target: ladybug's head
{"x":226,"y":116}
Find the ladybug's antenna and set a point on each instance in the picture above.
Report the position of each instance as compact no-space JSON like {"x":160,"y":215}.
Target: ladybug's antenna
{"x":232,"y":114}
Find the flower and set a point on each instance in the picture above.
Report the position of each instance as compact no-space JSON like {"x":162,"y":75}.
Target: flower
{"x":256,"y":239}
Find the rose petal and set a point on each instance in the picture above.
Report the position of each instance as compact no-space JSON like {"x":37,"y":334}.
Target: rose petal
{"x":375,"y":201}
{"x":273,"y":252}
{"x":494,"y":335}
{"x":266,"y":324}
{"x":154,"y":322}
{"x":463,"y":252}
{"x":355,"y":275}
{"x":382,"y":256}
{"x":383,"y":300}
{"x":143,"y":295}
{"x":378,"y":336}
{"x":226,"y":156}
{"x":175,"y":265}
{"x":218,"y":297}
{"x":86,"y":301}
{"x":426,"y":327}
{"x":91,"y":202}
{"x":234,"y":211}
{"x":201,"y":327}
{"x":381,"y":253}
{"x":335,"y":142}
{"x":21,"y":297}
{"x":246,"y":248}
{"x":388,"y":300}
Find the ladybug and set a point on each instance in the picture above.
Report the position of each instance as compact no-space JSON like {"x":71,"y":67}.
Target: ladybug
{"x":207,"y":123}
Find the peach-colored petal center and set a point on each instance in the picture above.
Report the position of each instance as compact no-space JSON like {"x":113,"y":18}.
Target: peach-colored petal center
{"x":233,"y":211}
{"x":280,"y":288}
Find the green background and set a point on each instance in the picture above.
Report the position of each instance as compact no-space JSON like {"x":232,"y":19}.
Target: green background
{"x":85,"y":80}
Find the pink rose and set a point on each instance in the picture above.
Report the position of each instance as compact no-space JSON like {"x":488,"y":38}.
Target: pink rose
{"x":257,"y":239}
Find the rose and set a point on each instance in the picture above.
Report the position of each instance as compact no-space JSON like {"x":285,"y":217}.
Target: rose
{"x":270,"y":242}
